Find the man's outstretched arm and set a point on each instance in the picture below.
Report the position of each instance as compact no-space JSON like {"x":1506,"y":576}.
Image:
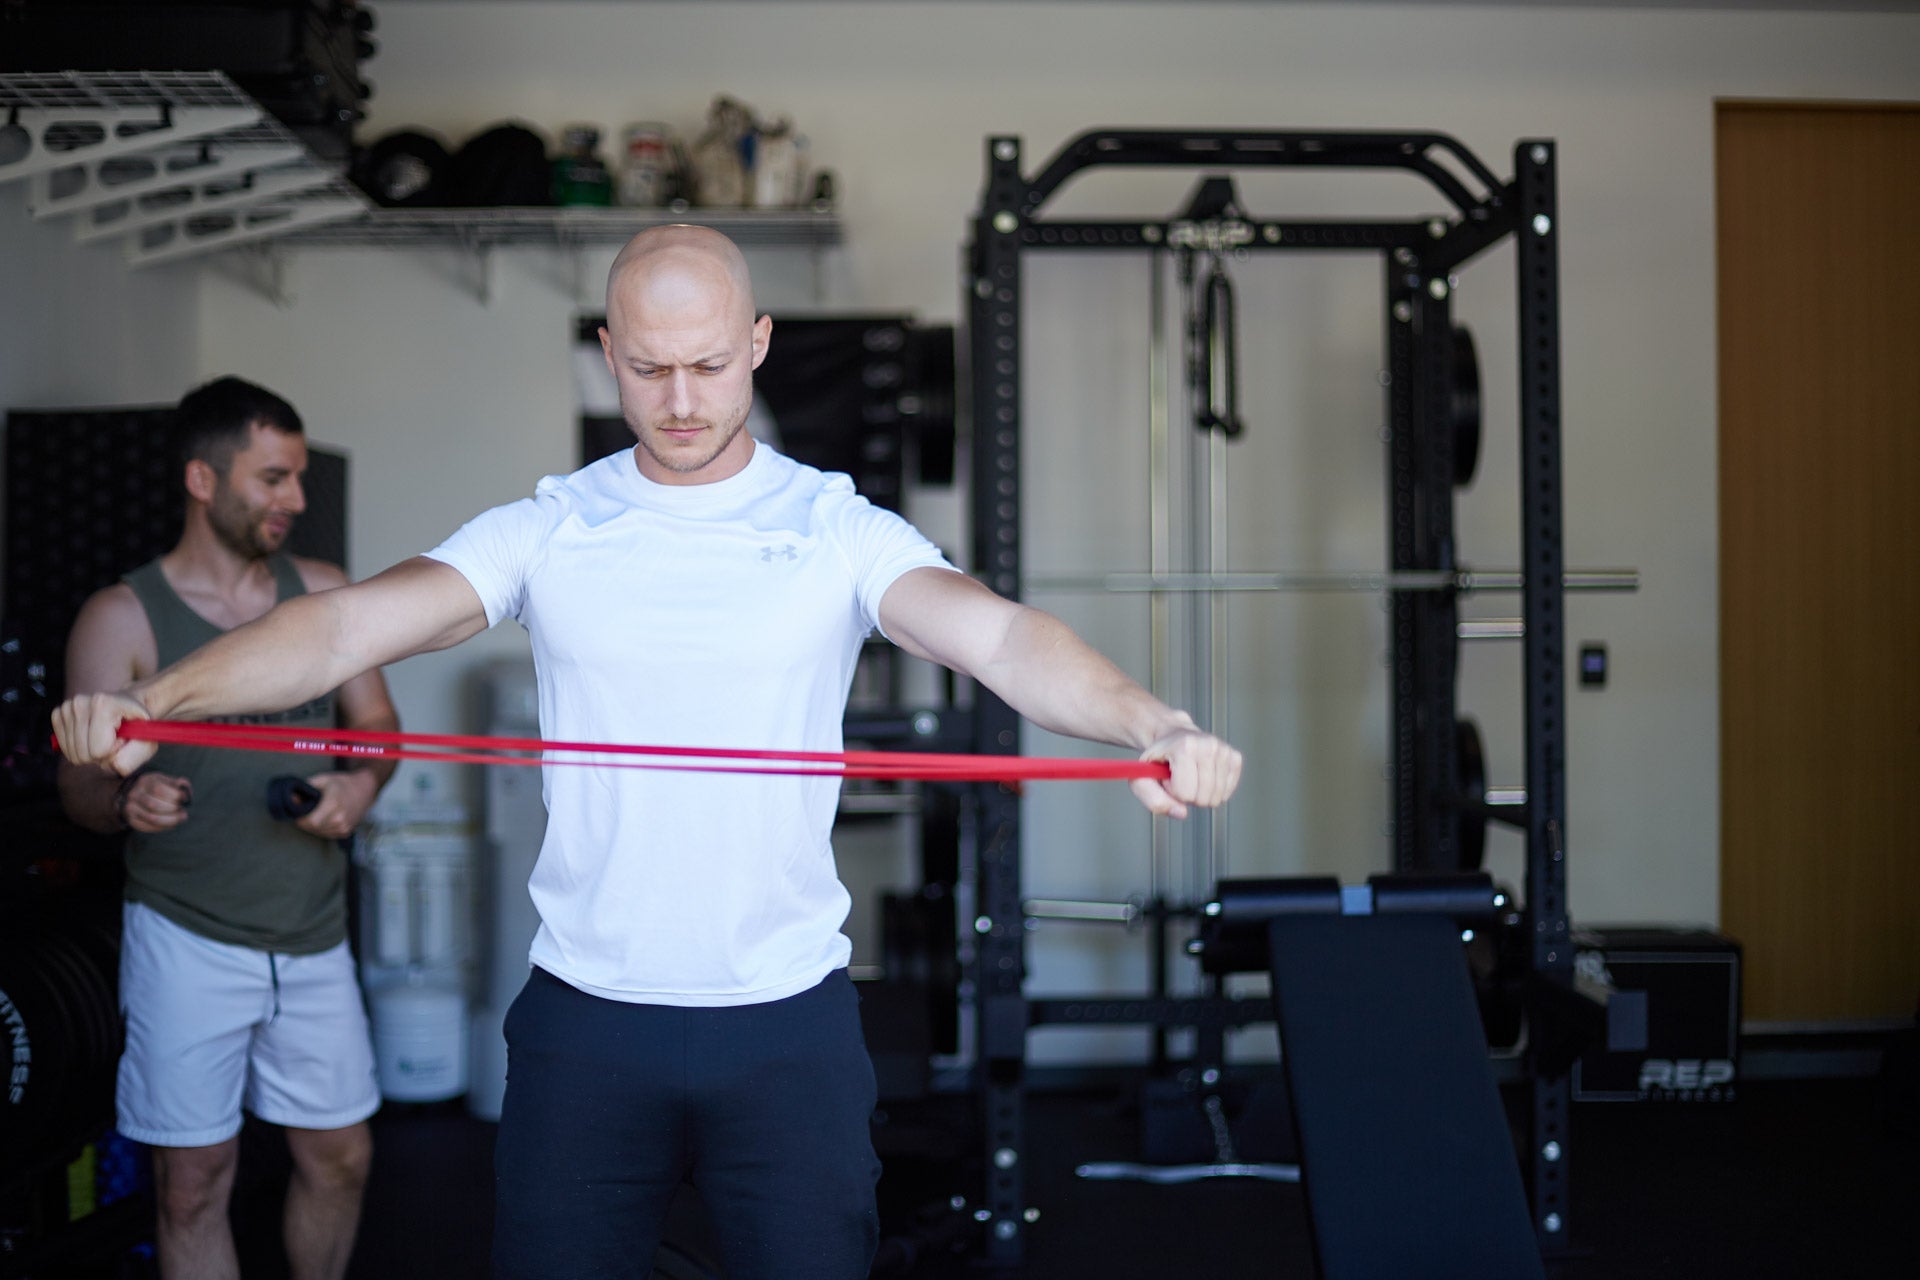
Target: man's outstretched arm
{"x":110,"y":646}
{"x":1057,"y":680}
{"x":302,"y":648}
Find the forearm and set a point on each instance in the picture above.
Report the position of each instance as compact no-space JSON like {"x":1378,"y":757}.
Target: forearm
{"x":90,"y":795}
{"x":1058,"y":681}
{"x":1061,"y":683}
{"x":379,"y":771}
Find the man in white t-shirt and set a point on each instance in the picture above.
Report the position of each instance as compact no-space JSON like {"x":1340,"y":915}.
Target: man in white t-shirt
{"x":689,"y":1015}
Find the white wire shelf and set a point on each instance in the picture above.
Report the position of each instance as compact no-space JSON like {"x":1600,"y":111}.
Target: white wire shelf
{"x":568,"y":228}
{"x":106,"y":90}
{"x":178,"y":164}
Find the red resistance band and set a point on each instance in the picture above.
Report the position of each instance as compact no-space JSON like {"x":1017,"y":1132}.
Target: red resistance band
{"x":463,"y":749}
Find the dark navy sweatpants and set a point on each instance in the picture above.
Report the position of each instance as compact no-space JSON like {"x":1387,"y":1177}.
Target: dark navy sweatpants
{"x":610,"y":1106}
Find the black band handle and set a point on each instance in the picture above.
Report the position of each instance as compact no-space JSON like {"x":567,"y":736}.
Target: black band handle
{"x":289,"y":797}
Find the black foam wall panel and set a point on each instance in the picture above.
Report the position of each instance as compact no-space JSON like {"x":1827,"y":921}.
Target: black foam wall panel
{"x":90,"y":494}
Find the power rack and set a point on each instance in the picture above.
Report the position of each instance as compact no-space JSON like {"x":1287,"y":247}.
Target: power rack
{"x":1427,"y":458}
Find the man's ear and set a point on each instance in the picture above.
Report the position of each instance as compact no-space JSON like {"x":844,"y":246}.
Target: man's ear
{"x":202,"y":480}
{"x":762,"y":333}
{"x":606,"y":349}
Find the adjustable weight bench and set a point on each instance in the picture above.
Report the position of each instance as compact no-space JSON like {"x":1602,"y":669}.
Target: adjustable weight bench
{"x":1409,"y":1169}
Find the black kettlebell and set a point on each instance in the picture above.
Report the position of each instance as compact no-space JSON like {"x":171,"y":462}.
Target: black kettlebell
{"x":289,"y":797}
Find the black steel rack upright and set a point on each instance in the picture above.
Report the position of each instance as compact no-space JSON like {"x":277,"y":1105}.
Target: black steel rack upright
{"x":1419,"y":256}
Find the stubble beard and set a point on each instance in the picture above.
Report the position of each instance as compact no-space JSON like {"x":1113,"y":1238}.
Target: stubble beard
{"x":682,"y":463}
{"x":240,"y":530}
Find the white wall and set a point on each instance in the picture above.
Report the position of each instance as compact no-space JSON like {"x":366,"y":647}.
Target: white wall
{"x":78,"y":328}
{"x":447,"y":405}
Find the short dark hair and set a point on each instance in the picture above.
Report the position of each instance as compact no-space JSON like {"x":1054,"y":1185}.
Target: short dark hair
{"x":213,"y":421}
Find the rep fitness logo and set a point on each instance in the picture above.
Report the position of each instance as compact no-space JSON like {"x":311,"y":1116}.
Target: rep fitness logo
{"x":1687,"y":1079}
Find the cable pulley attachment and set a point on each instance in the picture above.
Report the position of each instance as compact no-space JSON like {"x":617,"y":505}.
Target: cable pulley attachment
{"x":1214,"y":221}
{"x":1216,"y":373}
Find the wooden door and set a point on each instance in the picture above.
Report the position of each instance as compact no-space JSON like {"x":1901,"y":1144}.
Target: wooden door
{"x":1819,"y":324}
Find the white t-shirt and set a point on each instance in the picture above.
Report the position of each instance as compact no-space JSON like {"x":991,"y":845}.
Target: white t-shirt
{"x":725,"y":615}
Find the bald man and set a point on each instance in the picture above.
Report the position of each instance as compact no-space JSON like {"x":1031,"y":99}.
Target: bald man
{"x":689,"y":1015}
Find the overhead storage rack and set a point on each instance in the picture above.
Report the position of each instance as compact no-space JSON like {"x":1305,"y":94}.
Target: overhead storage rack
{"x":175,"y":164}
{"x":182,"y":164}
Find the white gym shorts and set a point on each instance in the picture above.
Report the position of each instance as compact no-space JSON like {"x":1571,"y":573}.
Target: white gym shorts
{"x":212,"y":1026}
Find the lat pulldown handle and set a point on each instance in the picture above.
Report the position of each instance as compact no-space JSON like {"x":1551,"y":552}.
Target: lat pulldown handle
{"x":1216,"y":372}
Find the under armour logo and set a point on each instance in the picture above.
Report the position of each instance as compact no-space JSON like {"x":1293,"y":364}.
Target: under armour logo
{"x":785,"y":551}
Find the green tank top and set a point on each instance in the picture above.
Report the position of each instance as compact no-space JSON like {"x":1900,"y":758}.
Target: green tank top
{"x":230,"y":872}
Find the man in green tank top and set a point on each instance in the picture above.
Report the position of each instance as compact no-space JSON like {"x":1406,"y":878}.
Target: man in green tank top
{"x":235,"y":976}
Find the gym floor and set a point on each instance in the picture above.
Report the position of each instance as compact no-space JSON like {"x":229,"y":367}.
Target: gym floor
{"x":1795,"y":1179}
